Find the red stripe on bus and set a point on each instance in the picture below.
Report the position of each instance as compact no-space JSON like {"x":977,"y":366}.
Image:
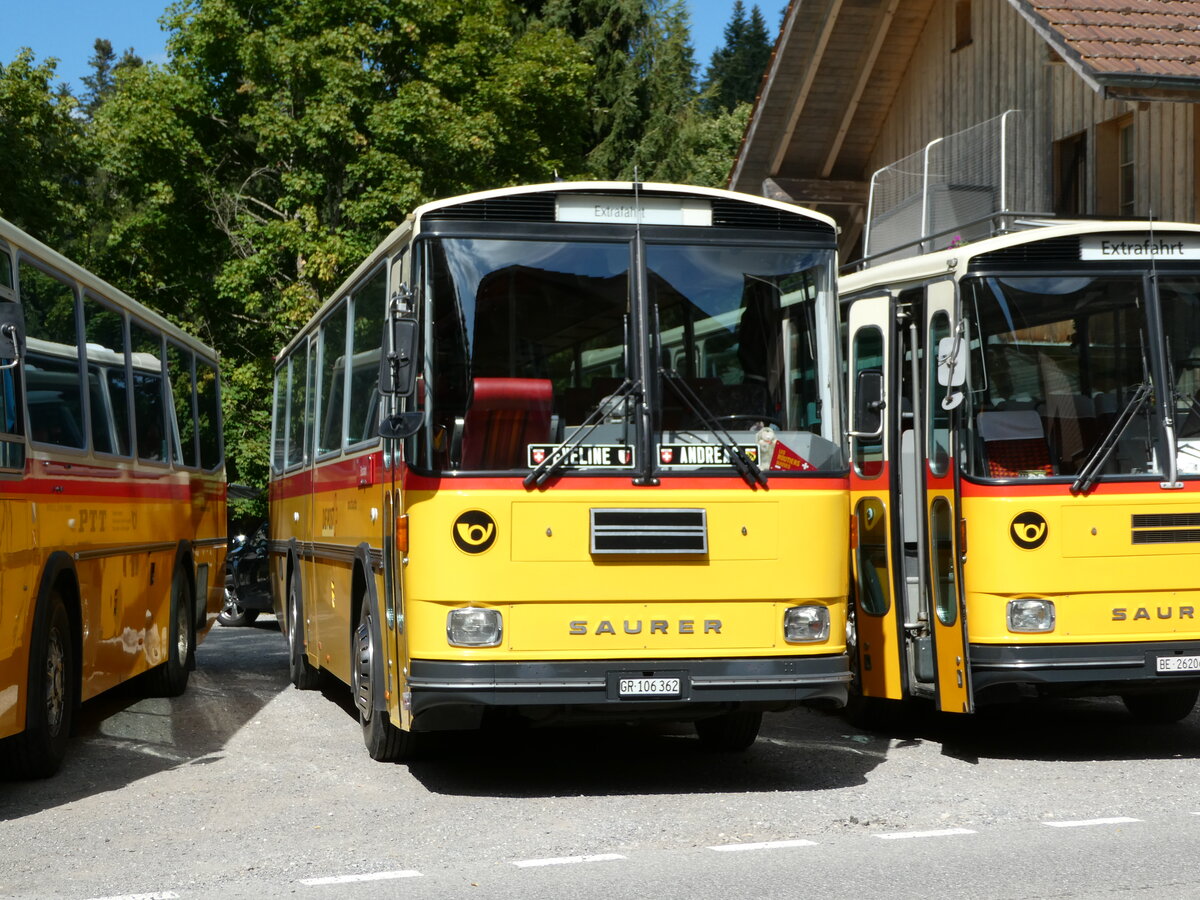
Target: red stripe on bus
{"x":340,"y":476}
{"x":1039,"y":488}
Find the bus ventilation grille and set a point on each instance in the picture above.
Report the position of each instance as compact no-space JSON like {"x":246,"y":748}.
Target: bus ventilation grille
{"x":1166,"y":528}
{"x":1052,"y":252}
{"x":737,"y":214}
{"x":644,"y":531}
{"x":515,"y":208}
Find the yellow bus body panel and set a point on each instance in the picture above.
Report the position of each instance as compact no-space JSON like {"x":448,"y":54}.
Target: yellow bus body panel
{"x":1105,"y":587}
{"x":767,"y":551}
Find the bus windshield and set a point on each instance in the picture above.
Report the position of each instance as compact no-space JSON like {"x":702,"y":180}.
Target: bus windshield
{"x":528,"y":338}
{"x":738,"y":327}
{"x":532,"y":346}
{"x":1060,"y":363}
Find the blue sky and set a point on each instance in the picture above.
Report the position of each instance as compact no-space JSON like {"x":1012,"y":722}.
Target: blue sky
{"x":67,"y":29}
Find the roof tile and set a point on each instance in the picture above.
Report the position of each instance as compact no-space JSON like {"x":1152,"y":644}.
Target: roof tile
{"x":1128,"y":37}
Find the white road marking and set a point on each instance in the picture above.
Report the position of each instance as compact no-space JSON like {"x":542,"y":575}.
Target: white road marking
{"x":942,"y":832}
{"x":351,"y":879}
{"x":764,"y":845}
{"x":160,"y":895}
{"x":1084,"y":823}
{"x":567,"y":860}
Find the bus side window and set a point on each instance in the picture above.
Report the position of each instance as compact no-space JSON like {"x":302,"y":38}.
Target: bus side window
{"x":333,"y":376}
{"x":179,"y":373}
{"x":104,"y":331}
{"x":6,"y":273}
{"x":53,"y":384}
{"x":208,"y":414}
{"x":297,"y":404}
{"x":370,"y":305}
{"x":279,"y":418}
{"x":150,"y":423}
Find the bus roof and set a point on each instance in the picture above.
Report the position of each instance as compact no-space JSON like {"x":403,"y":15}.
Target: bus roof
{"x":955,"y":260}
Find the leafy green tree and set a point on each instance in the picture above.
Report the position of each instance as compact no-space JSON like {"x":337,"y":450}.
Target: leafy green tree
{"x":250,"y":174}
{"x":45,"y":162}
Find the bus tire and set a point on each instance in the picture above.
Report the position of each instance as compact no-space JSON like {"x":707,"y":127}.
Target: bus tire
{"x":731,"y":731}
{"x":38,"y":751}
{"x":170,"y":678}
{"x":1162,"y":707}
{"x":385,"y":742}
{"x":304,"y":676}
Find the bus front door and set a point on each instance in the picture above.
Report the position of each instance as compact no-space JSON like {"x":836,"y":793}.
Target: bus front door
{"x":948,"y":620}
{"x":877,"y":634}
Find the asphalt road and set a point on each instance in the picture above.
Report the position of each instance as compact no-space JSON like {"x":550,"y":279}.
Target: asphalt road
{"x":245,"y":787}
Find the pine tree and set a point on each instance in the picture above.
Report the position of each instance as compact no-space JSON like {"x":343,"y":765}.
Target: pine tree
{"x":103,"y":80}
{"x":736,"y":68}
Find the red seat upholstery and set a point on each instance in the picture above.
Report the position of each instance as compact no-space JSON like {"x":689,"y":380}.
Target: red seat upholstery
{"x":504,"y":416}
{"x":1014,"y":444}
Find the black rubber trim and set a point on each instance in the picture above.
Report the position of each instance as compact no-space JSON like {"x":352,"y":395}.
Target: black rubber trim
{"x":1061,"y":664}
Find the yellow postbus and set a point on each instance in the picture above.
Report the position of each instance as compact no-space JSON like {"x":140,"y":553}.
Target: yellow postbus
{"x":1025,"y":449}
{"x":112,"y":498}
{"x":613,"y":482}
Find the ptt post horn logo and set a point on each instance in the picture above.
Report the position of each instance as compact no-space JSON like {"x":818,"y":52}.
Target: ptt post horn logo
{"x":474,"y":531}
{"x":1028,"y":530}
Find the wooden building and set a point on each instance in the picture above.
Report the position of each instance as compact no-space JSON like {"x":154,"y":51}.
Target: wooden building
{"x":1108,"y":94}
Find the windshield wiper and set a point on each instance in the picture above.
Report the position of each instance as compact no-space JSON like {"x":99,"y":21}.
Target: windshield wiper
{"x":558,"y":457}
{"x":745,"y":466}
{"x":1090,"y":473}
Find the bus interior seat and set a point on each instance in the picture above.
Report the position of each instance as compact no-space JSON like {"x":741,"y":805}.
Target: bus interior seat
{"x":1014,"y":442}
{"x":503,"y":417}
{"x":1071,"y":426}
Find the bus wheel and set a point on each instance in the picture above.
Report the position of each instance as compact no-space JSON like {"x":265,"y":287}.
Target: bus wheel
{"x":384,"y":740}
{"x":171,"y":677}
{"x":303,"y":674}
{"x":1162,"y":707}
{"x":731,"y":731}
{"x":38,"y":751}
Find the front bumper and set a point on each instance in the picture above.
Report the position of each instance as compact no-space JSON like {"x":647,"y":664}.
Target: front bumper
{"x":775,"y":683}
{"x":1080,"y":666}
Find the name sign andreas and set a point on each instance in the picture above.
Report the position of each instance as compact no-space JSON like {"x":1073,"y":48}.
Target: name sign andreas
{"x":1097,"y":247}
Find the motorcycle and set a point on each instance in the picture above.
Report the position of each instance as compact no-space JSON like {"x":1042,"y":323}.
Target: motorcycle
{"x":247,"y":581}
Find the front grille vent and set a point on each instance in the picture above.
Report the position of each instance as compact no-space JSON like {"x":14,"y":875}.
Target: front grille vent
{"x":1055,"y":251}
{"x":514,"y":208}
{"x":1166,"y":520}
{"x":1166,"y":528}
{"x":649,"y":531}
{"x":734,"y":214}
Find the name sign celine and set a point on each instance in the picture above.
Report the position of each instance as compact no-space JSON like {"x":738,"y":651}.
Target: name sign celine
{"x":1139,"y":246}
{"x":600,"y":209}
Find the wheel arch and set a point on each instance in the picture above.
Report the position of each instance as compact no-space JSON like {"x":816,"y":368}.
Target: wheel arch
{"x":363,"y":590}
{"x":58,"y":574}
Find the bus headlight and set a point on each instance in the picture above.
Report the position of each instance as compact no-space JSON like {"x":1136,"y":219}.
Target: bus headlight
{"x":805,"y":624}
{"x":473,"y":627}
{"x":1029,"y":614}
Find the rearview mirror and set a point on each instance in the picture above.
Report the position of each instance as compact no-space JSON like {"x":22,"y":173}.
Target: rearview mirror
{"x":397,"y":365}
{"x":952,"y":361}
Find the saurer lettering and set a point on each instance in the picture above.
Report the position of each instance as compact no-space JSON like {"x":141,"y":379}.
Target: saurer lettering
{"x":653,"y":626}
